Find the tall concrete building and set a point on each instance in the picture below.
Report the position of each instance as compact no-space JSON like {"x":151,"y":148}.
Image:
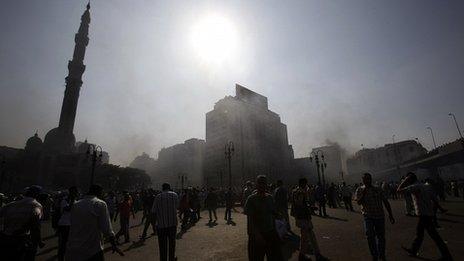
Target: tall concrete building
{"x":180,"y":162}
{"x":61,"y":139}
{"x":258,"y":135}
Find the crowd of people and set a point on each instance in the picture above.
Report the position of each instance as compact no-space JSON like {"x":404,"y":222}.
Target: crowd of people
{"x":84,"y":223}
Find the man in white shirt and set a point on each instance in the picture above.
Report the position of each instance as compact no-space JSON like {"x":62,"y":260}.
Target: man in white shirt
{"x":64,"y":222}
{"x":89,"y":220}
{"x":165,"y":210}
{"x":424,"y":202}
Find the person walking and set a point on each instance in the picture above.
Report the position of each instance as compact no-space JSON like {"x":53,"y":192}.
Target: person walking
{"x":111,"y":203}
{"x":89,"y":221}
{"x":261,"y":213}
{"x":64,"y":222}
{"x":372,"y":201}
{"x":301,"y":211}
{"x":229,"y":201}
{"x":281,"y":200}
{"x":148,"y":199}
{"x":165,"y":210}
{"x":125,"y":210}
{"x":21,"y":235}
{"x":320,"y":197}
{"x":347,"y":196}
{"x":424,"y":202}
{"x":247,"y":191}
{"x":211,"y":203}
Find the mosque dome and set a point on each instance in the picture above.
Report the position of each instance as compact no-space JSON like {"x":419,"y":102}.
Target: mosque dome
{"x":58,"y":141}
{"x":34,"y":144}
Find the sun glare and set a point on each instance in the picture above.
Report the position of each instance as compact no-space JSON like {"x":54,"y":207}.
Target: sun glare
{"x":214,"y":39}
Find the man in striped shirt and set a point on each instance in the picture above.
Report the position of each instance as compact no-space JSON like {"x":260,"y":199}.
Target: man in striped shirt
{"x":165,"y":210}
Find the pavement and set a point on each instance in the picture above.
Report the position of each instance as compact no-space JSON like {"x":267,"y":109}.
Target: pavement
{"x":340,"y":236}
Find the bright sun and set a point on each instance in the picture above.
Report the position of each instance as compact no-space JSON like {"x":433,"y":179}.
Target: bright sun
{"x":214,"y":39}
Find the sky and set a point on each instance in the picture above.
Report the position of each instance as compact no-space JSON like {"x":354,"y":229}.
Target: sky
{"x":353,"y":72}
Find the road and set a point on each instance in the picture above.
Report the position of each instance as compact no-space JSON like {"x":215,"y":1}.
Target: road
{"x":341,"y":237}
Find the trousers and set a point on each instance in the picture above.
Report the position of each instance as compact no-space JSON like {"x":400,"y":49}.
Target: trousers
{"x":426,"y":224}
{"x":375,"y":233}
{"x":167,"y":243}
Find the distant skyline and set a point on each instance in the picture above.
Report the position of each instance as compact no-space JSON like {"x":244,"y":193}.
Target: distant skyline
{"x":353,"y":72}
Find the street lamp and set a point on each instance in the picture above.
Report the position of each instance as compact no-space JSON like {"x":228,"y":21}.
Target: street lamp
{"x":183,"y":179}
{"x":433,"y":137}
{"x":96,"y":154}
{"x":228,"y":152}
{"x":457,"y":125}
{"x":321,"y":165}
{"x":312,"y":155}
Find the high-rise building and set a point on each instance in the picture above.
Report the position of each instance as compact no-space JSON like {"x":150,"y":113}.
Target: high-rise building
{"x":259,"y":140}
{"x":61,"y":139}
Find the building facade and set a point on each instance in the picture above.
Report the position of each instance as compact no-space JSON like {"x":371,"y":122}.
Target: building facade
{"x":259,"y":138}
{"x":181,"y":164}
{"x":388,"y":156}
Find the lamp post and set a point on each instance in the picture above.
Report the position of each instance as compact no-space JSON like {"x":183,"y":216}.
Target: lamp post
{"x":183,"y":179}
{"x":95,"y":152}
{"x":456,"y":122}
{"x":433,"y":137}
{"x":228,"y":152}
{"x":312,"y":155}
{"x":321,"y":165}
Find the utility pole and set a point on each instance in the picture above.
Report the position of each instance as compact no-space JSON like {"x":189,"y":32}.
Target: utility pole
{"x":96,"y":154}
{"x":229,"y":151}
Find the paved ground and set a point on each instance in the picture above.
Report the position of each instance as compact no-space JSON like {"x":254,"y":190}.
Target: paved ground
{"x":341,"y":237}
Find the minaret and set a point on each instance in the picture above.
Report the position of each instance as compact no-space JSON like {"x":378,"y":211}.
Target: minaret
{"x":61,"y":139}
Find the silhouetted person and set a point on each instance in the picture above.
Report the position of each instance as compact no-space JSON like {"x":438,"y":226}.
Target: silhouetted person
{"x":347,"y":195}
{"x":165,"y":209}
{"x":21,"y":235}
{"x":148,"y":199}
{"x":301,"y":210}
{"x":247,"y":192}
{"x":89,"y":221}
{"x":229,"y":200}
{"x":320,"y":197}
{"x":372,"y":201}
{"x":112,"y":204}
{"x":281,"y":200}
{"x":424,"y":200}
{"x":64,"y":223}
{"x":211,"y":203}
{"x":125,"y":210}
{"x":261,"y":212}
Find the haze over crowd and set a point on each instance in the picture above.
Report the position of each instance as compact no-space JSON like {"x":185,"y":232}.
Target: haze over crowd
{"x":352,"y":72}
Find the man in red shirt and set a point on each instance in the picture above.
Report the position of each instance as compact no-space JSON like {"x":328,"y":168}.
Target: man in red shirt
{"x":125,"y":209}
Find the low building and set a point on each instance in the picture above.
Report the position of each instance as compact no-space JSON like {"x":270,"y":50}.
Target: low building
{"x":388,"y":156}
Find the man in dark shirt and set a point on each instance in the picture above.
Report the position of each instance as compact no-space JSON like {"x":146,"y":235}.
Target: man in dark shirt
{"x":229,"y":200}
{"x":211,"y":203}
{"x":263,"y":239}
{"x":281,"y":200}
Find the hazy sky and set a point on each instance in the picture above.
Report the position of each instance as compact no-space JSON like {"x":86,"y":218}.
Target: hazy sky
{"x":355,"y":72}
